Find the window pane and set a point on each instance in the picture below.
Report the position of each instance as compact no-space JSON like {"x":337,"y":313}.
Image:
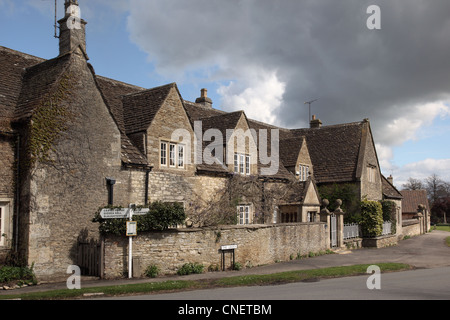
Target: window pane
{"x":247,"y":165}
{"x":241,"y":215}
{"x":241,"y":163}
{"x":163,"y":153}
{"x":236,"y":163}
{"x":247,"y":215}
{"x":181,"y":156}
{"x":172,"y":155}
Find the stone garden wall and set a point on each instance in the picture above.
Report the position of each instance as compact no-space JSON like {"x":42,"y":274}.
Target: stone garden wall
{"x":256,"y":245}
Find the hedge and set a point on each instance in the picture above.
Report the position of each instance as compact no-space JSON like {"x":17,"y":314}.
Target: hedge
{"x":371,"y":218}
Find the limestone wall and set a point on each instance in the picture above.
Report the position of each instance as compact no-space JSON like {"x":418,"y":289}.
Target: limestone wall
{"x":257,"y":245}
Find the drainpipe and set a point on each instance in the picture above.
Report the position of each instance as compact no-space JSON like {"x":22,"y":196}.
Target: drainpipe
{"x":147,"y":173}
{"x":110,"y":182}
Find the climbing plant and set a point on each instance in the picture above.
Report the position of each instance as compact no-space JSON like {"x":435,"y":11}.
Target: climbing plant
{"x":371,"y":218}
{"x":49,"y":120}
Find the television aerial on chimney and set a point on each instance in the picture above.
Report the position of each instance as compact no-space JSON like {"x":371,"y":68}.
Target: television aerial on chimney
{"x":56,"y":18}
{"x":309,"y":103}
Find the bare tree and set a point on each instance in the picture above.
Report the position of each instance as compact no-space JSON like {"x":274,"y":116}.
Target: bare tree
{"x":413,"y":184}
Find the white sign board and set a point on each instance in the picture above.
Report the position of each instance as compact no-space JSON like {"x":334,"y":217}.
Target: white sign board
{"x":115,"y":213}
{"x":229,"y":247}
{"x":131,"y":228}
{"x":141,"y":211}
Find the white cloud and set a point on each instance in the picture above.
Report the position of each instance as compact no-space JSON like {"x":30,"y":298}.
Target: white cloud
{"x":421,"y":170}
{"x":259,"y":94}
{"x":414,"y":123}
{"x":411,"y":119}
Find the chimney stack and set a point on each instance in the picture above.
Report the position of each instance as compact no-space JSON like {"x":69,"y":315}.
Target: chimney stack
{"x":315,"y":123}
{"x":390,"y":179}
{"x":72,"y":28}
{"x":203,"y":99}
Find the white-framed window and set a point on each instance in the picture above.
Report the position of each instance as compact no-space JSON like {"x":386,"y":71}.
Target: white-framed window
{"x":163,"y":154}
{"x":242,"y":164}
{"x":244,"y":214}
{"x":303,"y":172}
{"x":172,"y":155}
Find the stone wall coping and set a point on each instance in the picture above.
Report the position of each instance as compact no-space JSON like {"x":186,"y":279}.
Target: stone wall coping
{"x":409,"y":222}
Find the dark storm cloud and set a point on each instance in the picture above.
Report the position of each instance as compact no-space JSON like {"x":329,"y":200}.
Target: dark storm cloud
{"x":318,"y":49}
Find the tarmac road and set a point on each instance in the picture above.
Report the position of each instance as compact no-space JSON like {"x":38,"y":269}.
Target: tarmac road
{"x":420,"y":284}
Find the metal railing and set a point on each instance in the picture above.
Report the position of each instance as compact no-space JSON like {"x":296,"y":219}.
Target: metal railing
{"x":351,"y":230}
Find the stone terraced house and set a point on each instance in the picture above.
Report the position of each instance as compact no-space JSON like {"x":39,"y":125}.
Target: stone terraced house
{"x":72,"y":141}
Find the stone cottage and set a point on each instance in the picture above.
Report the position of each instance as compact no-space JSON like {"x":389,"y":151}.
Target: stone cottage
{"x":72,"y":141}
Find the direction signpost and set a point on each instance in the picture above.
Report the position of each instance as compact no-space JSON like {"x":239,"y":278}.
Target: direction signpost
{"x":121,"y":213}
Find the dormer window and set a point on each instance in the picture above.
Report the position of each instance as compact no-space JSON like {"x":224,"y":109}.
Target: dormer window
{"x":242,"y":164}
{"x":303,"y":172}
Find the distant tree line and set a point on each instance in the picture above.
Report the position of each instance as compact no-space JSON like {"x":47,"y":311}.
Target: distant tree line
{"x":438,"y":192}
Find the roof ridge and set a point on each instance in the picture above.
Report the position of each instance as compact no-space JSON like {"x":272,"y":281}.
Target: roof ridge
{"x":20,"y":53}
{"x":119,"y":82}
{"x":169,"y":85}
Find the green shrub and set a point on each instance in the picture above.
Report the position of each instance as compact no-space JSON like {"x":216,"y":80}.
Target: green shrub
{"x":152,"y":271}
{"x":190,"y":268}
{"x":161,"y":216}
{"x":237,"y":266}
{"x":371,"y":218}
{"x":11,"y":274}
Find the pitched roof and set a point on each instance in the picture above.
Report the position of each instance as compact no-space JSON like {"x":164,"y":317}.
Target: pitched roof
{"x":113,"y":91}
{"x":389,"y":191}
{"x":334,"y":150}
{"x":412,"y":199}
{"x":140,"y":108}
{"x":26,"y":79}
{"x":37,"y":82}
{"x":12,"y":67}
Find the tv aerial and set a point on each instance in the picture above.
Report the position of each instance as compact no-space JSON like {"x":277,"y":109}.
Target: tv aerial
{"x":309,"y":104}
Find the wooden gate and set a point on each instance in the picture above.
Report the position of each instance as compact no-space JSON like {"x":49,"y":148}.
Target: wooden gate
{"x":90,"y":258}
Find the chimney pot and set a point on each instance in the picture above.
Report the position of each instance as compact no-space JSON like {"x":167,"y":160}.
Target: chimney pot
{"x":315,"y":123}
{"x":390,"y":179}
{"x":204,"y":100}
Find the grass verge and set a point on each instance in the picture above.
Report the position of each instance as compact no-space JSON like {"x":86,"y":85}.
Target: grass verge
{"x":180,"y":285}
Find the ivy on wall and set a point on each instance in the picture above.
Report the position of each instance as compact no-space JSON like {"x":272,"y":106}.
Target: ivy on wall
{"x":349,"y":196}
{"x":49,"y":120}
{"x":371,"y":218}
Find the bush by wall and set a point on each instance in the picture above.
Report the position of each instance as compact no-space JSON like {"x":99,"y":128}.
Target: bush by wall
{"x":162,"y":216}
{"x":371,"y":218}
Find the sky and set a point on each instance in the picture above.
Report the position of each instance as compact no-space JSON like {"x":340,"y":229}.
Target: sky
{"x":269,"y":57}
